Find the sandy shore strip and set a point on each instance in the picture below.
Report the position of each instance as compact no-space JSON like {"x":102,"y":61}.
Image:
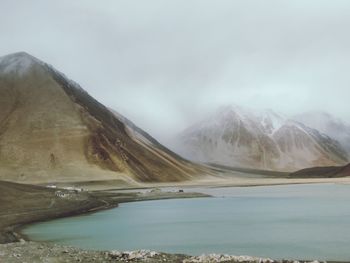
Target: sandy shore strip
{"x":232,"y":181}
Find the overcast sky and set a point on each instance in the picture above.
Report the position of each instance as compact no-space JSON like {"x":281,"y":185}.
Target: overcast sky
{"x":164,"y":64}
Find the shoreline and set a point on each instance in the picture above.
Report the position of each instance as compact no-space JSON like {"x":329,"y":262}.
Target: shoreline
{"x":14,"y":240}
{"x":113,"y":201}
{"x":107,"y":199}
{"x":15,"y":233}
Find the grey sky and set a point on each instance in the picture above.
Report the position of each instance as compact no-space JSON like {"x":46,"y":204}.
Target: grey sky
{"x":164,"y":63}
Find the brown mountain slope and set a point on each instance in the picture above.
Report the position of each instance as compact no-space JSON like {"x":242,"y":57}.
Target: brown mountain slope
{"x":52,"y":130}
{"x":322,"y":172}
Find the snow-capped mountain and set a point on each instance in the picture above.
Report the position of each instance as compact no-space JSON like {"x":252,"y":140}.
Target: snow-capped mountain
{"x":240,"y":137}
{"x":328,"y":124}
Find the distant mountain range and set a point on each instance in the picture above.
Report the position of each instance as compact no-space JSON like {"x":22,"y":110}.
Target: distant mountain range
{"x":52,"y":130}
{"x":238,"y":137}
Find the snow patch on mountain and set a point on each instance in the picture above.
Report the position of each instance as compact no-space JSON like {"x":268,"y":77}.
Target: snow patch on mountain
{"x":18,"y":63}
{"x":271,"y":120}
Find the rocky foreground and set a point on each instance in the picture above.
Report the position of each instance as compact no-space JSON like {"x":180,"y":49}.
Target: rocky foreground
{"x":28,"y":252}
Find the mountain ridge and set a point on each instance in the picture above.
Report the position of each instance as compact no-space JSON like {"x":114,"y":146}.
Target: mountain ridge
{"x":328,"y":124}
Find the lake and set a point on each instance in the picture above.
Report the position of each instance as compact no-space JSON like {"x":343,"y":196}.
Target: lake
{"x":294,"y":221}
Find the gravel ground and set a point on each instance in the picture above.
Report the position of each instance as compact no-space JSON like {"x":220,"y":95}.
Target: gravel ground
{"x":30,"y":252}
{"x":36,"y":252}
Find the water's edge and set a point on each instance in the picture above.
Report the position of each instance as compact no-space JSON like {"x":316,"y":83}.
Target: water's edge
{"x":284,"y":189}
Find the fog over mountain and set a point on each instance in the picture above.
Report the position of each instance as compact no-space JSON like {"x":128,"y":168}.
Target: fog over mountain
{"x":165,"y":64}
{"x":239,"y":137}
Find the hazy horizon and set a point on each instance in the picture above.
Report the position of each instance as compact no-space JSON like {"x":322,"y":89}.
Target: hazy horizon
{"x":165,"y":65}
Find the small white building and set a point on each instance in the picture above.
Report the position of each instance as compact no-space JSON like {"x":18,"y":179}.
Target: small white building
{"x":72,"y":188}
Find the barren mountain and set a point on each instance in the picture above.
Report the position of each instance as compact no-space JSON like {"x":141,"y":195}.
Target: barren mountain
{"x":239,"y":137}
{"x":52,"y":130}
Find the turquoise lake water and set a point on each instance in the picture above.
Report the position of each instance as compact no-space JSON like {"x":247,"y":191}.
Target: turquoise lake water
{"x":295,"y":221}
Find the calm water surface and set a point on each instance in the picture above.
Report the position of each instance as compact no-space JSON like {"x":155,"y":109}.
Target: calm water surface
{"x":295,"y":221}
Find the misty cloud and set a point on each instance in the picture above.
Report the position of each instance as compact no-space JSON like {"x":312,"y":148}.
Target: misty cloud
{"x":165,"y":64}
